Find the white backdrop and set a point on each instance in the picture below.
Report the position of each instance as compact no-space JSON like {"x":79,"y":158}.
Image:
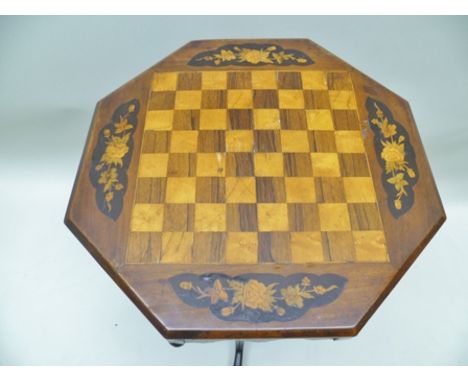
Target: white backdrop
{"x":57,"y":307}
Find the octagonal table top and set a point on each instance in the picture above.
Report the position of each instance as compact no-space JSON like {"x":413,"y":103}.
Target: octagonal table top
{"x":254,"y":189}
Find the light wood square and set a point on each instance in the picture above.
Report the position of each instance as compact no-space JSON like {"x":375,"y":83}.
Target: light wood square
{"x":164,"y":81}
{"x":240,"y":99}
{"x":153,"y":165}
{"x":319,"y":120}
{"x":306,"y":247}
{"x":370,"y":246}
{"x":159,"y":120}
{"x":210,"y":217}
{"x":272,"y":217}
{"x":215,"y":119}
{"x":359,"y":190}
{"x":147,"y":217}
{"x":294,"y":141}
{"x":180,"y":190}
{"x":349,"y":142}
{"x":239,"y":140}
{"x":214,"y":80}
{"x":314,"y":80}
{"x":184,"y":141}
{"x":268,"y":164}
{"x":241,"y":248}
{"x":325,"y":164}
{"x":267,"y":119}
{"x":211,"y":164}
{"x":342,"y":99}
{"x":188,"y":100}
{"x":240,"y":190}
{"x":334,"y":217}
{"x":291,"y":99}
{"x":300,"y":190}
{"x":177,"y":247}
{"x":264,"y":79}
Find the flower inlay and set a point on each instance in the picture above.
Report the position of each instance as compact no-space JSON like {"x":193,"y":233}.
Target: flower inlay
{"x":258,"y":297}
{"x":251,"y":55}
{"x":111,"y":158}
{"x":396,"y":157}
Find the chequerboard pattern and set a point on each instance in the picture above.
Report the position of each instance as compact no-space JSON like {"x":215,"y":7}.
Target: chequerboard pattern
{"x":246,"y":167}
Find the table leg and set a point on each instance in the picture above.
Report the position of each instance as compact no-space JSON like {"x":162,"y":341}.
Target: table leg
{"x":239,"y":353}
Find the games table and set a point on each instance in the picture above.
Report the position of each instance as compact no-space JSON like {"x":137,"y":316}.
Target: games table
{"x":254,"y":189}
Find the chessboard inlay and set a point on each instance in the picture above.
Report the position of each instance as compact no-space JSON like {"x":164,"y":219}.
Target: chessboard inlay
{"x":248,"y":167}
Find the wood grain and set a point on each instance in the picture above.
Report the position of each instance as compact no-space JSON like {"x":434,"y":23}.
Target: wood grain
{"x":219,"y":140}
{"x":278,"y":175}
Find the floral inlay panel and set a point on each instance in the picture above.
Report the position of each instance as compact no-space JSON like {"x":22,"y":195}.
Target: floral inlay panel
{"x":396,"y":157}
{"x":258,"y":297}
{"x":111,"y":158}
{"x":251,"y":55}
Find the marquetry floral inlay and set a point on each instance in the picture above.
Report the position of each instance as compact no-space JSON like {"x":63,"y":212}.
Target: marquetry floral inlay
{"x":396,"y":156}
{"x":111,"y":158}
{"x":258,"y":297}
{"x":251,"y":54}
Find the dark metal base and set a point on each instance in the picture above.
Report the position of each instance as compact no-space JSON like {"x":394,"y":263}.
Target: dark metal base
{"x":237,"y":357}
{"x":239,"y":353}
{"x":177,"y":343}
